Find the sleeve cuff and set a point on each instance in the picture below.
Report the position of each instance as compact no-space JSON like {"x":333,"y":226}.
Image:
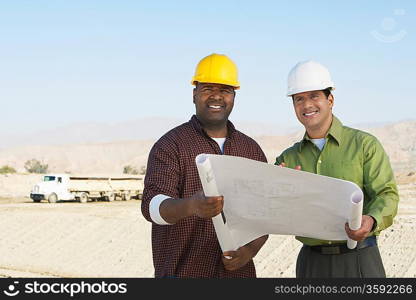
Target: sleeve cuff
{"x":377,"y":222}
{"x":154,"y":209}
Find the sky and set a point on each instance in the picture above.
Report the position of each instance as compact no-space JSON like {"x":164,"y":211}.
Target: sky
{"x":65,"y":62}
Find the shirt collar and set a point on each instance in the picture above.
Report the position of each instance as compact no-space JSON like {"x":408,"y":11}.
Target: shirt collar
{"x":335,"y":132}
{"x":198,"y":126}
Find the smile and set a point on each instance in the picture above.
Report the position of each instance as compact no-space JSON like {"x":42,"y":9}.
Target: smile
{"x":309,"y":114}
{"x":215,"y":106}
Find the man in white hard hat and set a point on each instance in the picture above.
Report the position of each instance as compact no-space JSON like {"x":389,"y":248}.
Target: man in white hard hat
{"x":184,"y":242}
{"x":331,"y":149}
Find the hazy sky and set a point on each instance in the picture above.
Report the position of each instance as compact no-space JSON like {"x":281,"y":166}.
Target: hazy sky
{"x":63,"y":62}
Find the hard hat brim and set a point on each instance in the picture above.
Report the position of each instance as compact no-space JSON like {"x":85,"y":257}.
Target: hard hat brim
{"x":235,"y":85}
{"x":309,"y":89}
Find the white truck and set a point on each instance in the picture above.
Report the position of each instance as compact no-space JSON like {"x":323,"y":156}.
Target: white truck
{"x":55,"y":187}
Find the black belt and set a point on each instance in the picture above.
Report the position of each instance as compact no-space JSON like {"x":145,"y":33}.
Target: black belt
{"x":342,"y":248}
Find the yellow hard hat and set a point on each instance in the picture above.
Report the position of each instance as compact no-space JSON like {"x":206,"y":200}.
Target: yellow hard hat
{"x":216,"y":68}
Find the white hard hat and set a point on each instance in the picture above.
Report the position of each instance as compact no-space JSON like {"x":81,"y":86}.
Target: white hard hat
{"x":308,"y":76}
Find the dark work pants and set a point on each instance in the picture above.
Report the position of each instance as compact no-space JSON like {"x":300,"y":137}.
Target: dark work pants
{"x":363,"y":263}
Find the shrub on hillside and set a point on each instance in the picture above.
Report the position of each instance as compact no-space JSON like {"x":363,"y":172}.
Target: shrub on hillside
{"x":35,"y":166}
{"x":7,"y":170}
{"x":130,"y":170}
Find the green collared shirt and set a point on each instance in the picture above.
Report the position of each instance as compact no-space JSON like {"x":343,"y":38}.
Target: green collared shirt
{"x":352,"y":155}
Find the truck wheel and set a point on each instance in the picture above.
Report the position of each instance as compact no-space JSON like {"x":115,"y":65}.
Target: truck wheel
{"x":111,"y":197}
{"x":83,"y":198}
{"x":36,"y":200}
{"x":127,"y":197}
{"x":52,"y":198}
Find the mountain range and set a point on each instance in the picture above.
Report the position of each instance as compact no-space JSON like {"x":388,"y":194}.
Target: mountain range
{"x":101,"y":148}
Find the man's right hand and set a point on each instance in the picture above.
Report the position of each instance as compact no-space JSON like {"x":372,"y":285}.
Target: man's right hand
{"x":298,"y":167}
{"x":174,"y":210}
{"x":206,"y":207}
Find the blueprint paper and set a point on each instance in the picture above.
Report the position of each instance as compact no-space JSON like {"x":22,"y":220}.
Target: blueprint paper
{"x":354,"y":220}
{"x":210,"y":189}
{"x":260,"y":199}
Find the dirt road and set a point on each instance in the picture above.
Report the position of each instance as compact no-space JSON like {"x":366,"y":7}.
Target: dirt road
{"x":98,"y":239}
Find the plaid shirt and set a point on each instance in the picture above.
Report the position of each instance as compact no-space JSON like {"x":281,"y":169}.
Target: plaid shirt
{"x":190,"y":247}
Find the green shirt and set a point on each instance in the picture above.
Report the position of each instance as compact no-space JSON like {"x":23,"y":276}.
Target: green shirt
{"x":352,"y":155}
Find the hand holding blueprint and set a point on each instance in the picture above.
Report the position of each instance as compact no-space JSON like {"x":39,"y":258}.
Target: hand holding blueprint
{"x":260,"y":199}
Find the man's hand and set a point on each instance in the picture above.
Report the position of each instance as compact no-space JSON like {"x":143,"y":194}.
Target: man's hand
{"x":298,"y":167}
{"x":234,"y":260}
{"x":360,"y":234}
{"x":173,"y":210}
{"x":206,"y":207}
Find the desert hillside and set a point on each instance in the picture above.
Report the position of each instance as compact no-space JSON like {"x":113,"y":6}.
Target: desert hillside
{"x":399,"y":140}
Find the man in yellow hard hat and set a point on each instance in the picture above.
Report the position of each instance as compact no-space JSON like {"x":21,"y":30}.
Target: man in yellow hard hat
{"x":184,"y":241}
{"x":332,"y":149}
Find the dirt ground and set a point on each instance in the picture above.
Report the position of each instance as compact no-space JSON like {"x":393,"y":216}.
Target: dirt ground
{"x":112,"y":239}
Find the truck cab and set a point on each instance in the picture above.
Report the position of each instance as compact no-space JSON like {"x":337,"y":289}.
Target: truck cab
{"x":53,"y":187}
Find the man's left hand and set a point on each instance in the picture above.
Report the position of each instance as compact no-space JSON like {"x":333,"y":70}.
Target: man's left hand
{"x":367,"y":223}
{"x":234,"y":260}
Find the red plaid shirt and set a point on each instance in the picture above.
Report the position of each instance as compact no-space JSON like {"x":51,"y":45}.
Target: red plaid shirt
{"x":190,"y":247}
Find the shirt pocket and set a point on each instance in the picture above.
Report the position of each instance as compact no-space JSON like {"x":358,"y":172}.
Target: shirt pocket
{"x":348,"y":170}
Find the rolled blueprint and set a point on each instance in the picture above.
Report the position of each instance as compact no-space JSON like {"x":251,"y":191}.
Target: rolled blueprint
{"x":210,"y":190}
{"x":354,"y":221}
{"x":261,"y":198}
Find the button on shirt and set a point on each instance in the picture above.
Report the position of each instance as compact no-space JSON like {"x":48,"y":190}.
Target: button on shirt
{"x":352,"y":155}
{"x":189,"y":248}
